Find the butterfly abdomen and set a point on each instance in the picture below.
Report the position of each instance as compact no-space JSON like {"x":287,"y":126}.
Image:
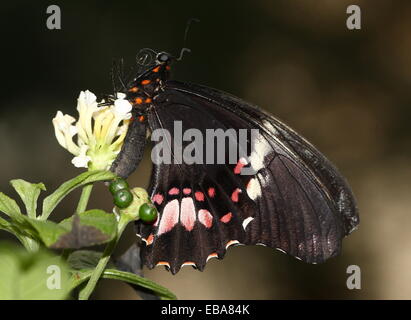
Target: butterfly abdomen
{"x":133,"y":149}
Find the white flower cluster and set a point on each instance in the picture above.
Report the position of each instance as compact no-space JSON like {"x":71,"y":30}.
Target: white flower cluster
{"x":100,"y":131}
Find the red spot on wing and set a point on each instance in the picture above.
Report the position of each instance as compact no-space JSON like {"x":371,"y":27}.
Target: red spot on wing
{"x":150,"y":239}
{"x":240,"y":164}
{"x":211,"y":192}
{"x":188,"y":213}
{"x":186,"y":191}
{"x":157,"y":198}
{"x":226,"y":218}
{"x":199,"y":196}
{"x":234,"y":195}
{"x":169,"y":217}
{"x":205,"y":217}
{"x":173,"y":191}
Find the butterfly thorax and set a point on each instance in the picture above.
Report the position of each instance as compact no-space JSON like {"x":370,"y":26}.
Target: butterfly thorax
{"x":144,"y":88}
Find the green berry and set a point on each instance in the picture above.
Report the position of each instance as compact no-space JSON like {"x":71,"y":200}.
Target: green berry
{"x":123,"y":198}
{"x":118,"y":184}
{"x":147,"y":213}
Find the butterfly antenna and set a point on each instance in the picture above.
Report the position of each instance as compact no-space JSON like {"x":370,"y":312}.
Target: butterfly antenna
{"x":185,"y":49}
{"x":120,"y":74}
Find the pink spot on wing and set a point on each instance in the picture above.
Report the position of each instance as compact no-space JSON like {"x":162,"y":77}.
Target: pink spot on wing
{"x":169,"y":217}
{"x":205,"y":217}
{"x":211,"y":192}
{"x":199,"y":196}
{"x":173,"y":191}
{"x":188,"y":213}
{"x":226,"y":218}
{"x":234,"y":195}
{"x":158,"y":198}
{"x":240,"y":164}
{"x":186,"y":191}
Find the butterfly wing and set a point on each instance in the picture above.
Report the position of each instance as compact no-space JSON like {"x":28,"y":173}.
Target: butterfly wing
{"x":294,"y":201}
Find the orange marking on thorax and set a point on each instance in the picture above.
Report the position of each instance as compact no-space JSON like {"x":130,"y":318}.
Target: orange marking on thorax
{"x":148,"y":100}
{"x":138,"y":100}
{"x":145,"y":82}
{"x":141,"y":118}
{"x":133,"y":89}
{"x":156,"y":69}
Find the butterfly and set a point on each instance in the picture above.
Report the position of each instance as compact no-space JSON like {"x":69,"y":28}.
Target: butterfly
{"x":294,"y":200}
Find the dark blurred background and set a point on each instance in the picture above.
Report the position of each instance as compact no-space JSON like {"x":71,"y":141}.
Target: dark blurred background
{"x":347,"y":91}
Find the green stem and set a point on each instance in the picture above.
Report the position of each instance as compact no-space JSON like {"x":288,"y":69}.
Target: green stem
{"x":85,"y":196}
{"x":101,"y":265}
{"x":29,"y":244}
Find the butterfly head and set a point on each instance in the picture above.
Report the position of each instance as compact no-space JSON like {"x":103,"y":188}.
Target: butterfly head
{"x":163,"y":58}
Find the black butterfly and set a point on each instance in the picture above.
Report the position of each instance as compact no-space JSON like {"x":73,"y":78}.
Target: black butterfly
{"x":296,"y":201}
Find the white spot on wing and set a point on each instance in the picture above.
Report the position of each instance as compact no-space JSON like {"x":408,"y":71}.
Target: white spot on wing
{"x":259,"y":150}
{"x":231,"y":243}
{"x":213,"y":255}
{"x":253,"y":189}
{"x":247,"y":221}
{"x":205,"y":217}
{"x":189,"y":263}
{"x":281,"y":250}
{"x":170,"y":217}
{"x":188,"y":213}
{"x":163,"y":263}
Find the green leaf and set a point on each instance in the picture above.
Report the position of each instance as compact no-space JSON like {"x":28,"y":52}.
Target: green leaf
{"x":47,"y":231}
{"x":88,"y":228}
{"x":79,"y":277}
{"x":85,"y":259}
{"x":29,"y":193}
{"x":6,"y":226}
{"x":84,"y":230}
{"x":32,"y":276}
{"x":10,"y":207}
{"x":85,"y":178}
{"x":19,"y":232}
